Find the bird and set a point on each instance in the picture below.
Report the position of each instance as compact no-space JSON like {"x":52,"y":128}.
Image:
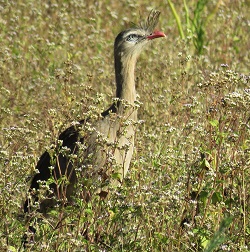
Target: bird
{"x":99,"y":151}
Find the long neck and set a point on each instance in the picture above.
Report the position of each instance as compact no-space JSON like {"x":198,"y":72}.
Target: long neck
{"x":125,"y":79}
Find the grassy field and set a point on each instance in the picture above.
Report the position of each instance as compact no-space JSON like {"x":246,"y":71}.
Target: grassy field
{"x":188,"y":188}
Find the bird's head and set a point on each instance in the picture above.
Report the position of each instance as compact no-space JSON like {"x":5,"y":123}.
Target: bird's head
{"x":131,"y":41}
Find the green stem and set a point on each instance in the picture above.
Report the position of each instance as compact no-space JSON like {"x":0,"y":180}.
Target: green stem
{"x":187,"y":14}
{"x":177,"y":18}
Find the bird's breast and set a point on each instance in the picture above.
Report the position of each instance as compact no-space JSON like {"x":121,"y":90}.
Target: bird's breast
{"x":113,"y":146}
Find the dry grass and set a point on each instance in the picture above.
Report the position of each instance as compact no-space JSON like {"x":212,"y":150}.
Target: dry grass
{"x":189,"y":178}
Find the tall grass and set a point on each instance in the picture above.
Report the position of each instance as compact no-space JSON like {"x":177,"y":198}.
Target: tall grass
{"x":188,"y":184}
{"x":196,"y":22}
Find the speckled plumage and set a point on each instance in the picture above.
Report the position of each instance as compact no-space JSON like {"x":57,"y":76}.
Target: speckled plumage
{"x":117,"y":137}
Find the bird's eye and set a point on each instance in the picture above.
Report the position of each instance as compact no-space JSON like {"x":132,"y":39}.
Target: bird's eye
{"x":132,"y":38}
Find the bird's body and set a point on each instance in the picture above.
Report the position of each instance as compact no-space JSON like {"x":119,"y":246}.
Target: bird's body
{"x":103,"y":148}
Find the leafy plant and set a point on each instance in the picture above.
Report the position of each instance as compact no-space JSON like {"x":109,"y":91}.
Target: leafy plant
{"x":195,"y":24}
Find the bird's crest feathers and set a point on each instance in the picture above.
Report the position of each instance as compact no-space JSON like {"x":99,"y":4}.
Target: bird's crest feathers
{"x":150,"y":23}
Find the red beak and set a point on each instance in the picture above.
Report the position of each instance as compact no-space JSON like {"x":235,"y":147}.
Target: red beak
{"x":156,"y":34}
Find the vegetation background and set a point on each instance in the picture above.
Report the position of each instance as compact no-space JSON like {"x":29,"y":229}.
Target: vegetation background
{"x":189,"y":182}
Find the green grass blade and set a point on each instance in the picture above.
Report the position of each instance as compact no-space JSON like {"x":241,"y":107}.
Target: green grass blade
{"x":177,"y":18}
{"x":219,"y":235}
